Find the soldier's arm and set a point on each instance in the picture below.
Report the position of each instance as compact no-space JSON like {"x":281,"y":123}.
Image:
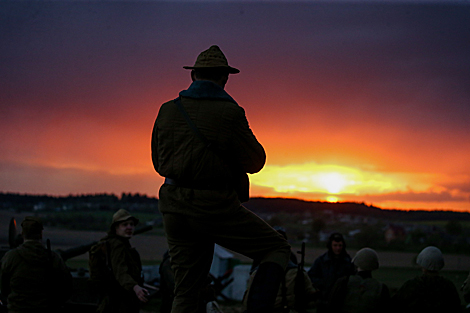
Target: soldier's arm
{"x":249,"y":151}
{"x":5,"y":277}
{"x":120,"y":268}
{"x":316,"y":275}
{"x":154,"y":146}
{"x":141,"y":293}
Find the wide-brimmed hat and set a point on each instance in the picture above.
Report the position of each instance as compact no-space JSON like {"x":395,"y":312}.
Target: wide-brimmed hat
{"x":122,"y":215}
{"x":366,"y":259}
{"x":430,"y":258}
{"x":212,"y":58}
{"x":32,"y":226}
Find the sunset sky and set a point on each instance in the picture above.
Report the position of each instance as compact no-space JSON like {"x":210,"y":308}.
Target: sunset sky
{"x":352,"y":100}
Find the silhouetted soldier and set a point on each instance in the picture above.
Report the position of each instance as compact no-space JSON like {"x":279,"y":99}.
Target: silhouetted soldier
{"x":360,"y":293}
{"x":429,"y":292}
{"x":125,"y":292}
{"x":203,"y":146}
{"x":327,"y":268}
{"x":34,"y":279}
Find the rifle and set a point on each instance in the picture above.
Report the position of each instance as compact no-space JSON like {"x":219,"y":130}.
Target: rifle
{"x":299,"y":288}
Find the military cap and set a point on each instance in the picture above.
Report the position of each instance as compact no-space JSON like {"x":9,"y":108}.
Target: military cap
{"x":122,"y":215}
{"x":212,"y":58}
{"x":32,"y":226}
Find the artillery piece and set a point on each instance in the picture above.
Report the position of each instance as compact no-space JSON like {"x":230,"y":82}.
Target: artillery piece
{"x":83,"y":300}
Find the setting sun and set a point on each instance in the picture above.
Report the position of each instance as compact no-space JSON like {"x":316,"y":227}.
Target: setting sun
{"x":332,"y":199}
{"x":332,"y":180}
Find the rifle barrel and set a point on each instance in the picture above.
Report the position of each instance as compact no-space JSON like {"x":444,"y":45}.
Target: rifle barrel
{"x":143,"y":230}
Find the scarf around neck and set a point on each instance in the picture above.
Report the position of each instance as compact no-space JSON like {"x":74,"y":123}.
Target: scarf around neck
{"x":204,"y":89}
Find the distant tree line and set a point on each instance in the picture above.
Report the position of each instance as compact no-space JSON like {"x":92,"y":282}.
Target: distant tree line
{"x":277,"y":205}
{"x":362,"y":224}
{"x":87,"y":202}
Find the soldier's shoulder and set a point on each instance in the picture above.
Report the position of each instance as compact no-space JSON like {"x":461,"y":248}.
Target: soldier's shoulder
{"x":115,"y":242}
{"x":9,"y":256}
{"x":167,"y":104}
{"x":10,"y":253}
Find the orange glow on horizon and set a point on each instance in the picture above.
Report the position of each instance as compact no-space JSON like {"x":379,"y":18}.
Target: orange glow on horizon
{"x":336,"y":183}
{"x":331,"y":179}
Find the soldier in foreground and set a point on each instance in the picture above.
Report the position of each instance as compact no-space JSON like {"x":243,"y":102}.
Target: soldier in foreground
{"x":34,"y":279}
{"x":208,"y":295}
{"x":203,"y":146}
{"x":123,"y":290}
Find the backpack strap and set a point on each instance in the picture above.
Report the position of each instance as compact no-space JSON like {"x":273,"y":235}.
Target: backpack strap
{"x":191,"y":123}
{"x":107,"y":254}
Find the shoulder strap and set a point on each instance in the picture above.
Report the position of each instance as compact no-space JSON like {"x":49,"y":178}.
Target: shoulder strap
{"x":108,"y":256}
{"x":191,"y":123}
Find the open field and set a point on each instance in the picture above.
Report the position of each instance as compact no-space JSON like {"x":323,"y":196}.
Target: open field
{"x":152,"y":246}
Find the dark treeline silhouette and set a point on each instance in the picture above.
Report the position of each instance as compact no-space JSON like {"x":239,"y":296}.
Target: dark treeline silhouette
{"x":105,"y":202}
{"x":18,"y":197}
{"x":277,"y":205}
{"x":85,"y":202}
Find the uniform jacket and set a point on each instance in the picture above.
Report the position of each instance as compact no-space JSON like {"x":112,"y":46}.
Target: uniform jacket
{"x":127,"y":270}
{"x":327,"y":269}
{"x":178,"y":153}
{"x":359,"y":293}
{"x":427,"y":293}
{"x":33,"y":279}
{"x":125,"y":262}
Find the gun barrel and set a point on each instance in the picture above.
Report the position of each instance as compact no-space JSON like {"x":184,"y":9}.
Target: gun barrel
{"x":142,"y":230}
{"x":76,"y":251}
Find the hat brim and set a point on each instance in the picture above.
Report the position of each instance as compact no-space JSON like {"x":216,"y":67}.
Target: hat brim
{"x":231,"y":70}
{"x":136,"y":221}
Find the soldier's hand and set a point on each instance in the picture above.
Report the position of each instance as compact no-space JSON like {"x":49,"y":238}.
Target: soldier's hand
{"x":141,"y":293}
